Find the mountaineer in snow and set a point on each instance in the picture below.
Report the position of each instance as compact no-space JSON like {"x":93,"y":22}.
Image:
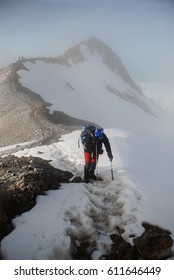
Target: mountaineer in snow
{"x":92,"y":139}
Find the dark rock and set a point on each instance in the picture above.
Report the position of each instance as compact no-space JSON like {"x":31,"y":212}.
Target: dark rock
{"x":122,"y":250}
{"x":149,"y":227}
{"x":77,"y":179}
{"x":21,"y":180}
{"x":5,"y":224}
{"x":3,"y":217}
{"x":81,"y":249}
{"x":155,"y":243}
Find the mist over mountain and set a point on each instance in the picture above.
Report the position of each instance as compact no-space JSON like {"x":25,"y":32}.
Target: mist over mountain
{"x":86,"y":68}
{"x":100,"y":49}
{"x":89,"y":83}
{"x":86,"y":74}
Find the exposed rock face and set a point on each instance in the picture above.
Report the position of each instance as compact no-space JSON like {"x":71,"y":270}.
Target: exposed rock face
{"x":21,"y":180}
{"x":5,"y":225}
{"x":155,"y":243}
{"x":25,"y":115}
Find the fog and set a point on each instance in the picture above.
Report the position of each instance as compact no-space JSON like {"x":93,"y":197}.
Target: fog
{"x":139,"y":31}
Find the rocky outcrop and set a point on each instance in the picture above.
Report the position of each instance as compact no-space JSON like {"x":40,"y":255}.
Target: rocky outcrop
{"x":154,"y":244}
{"x":21,"y":180}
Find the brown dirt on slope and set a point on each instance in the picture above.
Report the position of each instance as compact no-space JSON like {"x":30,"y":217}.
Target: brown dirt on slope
{"x":24,"y":115}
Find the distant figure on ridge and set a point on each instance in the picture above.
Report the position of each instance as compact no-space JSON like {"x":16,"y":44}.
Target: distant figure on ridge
{"x":92,"y":139}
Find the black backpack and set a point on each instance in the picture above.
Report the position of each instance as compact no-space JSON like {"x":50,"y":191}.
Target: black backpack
{"x":87,"y":136}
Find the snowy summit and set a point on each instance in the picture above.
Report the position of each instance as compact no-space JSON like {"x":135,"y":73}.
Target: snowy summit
{"x":89,"y":82}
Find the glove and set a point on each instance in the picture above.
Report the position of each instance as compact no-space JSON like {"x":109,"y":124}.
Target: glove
{"x":110,"y":156}
{"x":100,"y":152}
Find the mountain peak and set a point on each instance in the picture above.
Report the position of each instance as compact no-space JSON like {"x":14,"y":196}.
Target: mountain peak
{"x":99,"y":48}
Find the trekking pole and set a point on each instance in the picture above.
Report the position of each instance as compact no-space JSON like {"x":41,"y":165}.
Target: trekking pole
{"x":97,"y":174}
{"x":112,"y":174}
{"x":96,"y":162}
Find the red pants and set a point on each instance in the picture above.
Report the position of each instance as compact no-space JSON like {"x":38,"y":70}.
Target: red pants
{"x":90,"y":161}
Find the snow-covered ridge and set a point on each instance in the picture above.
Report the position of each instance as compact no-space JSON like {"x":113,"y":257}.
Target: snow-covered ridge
{"x":86,"y":71}
{"x":130,"y":97}
{"x":109,"y":58}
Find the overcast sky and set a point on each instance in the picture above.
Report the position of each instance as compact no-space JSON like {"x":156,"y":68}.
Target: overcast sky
{"x":141,"y":32}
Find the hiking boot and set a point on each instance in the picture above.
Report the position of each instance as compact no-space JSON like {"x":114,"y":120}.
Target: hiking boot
{"x":86,"y":180}
{"x":93,"y":177}
{"x":86,"y":176}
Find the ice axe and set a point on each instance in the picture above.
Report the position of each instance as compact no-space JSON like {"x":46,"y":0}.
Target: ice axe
{"x":112,"y":174}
